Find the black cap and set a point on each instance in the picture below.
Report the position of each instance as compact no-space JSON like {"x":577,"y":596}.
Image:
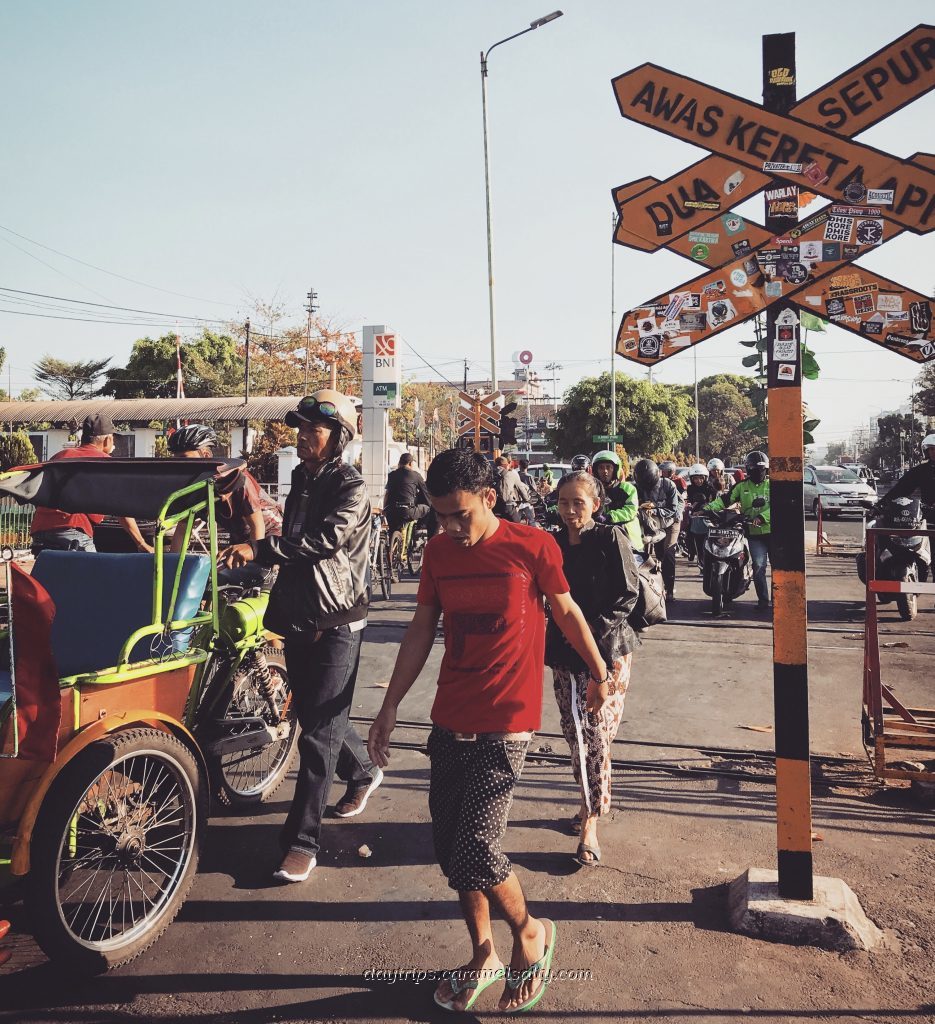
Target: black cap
{"x":98,"y":424}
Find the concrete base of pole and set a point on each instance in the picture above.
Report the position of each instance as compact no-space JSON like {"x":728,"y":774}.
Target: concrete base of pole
{"x":833,"y":920}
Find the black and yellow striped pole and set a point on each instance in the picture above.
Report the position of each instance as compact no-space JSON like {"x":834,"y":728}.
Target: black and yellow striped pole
{"x":787,"y":536}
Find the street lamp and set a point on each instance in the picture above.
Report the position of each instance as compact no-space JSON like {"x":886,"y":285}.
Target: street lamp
{"x":538,"y":23}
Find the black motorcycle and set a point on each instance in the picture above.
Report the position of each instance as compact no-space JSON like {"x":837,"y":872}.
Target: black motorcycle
{"x":903,"y":559}
{"x":727,"y":571}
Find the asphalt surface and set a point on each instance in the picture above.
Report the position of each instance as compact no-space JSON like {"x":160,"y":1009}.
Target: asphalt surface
{"x":649,"y":923}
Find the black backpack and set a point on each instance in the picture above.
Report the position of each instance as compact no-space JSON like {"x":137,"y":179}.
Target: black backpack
{"x":650,"y":607}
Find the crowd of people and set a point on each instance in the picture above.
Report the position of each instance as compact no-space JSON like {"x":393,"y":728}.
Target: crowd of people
{"x":511,"y":598}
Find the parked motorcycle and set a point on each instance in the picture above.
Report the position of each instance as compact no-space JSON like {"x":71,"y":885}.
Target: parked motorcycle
{"x":728,"y":566}
{"x":904,"y":559}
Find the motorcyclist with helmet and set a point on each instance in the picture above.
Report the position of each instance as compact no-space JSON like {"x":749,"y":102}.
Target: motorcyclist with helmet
{"x":718,"y":476}
{"x":699,"y":492}
{"x":659,"y":495}
{"x":919,"y":478}
{"x":319,"y":606}
{"x":745,"y":493}
{"x":622,"y":502}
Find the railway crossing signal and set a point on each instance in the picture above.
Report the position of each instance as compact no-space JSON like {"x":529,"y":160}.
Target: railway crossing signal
{"x":477,"y":419}
{"x":780,"y":269}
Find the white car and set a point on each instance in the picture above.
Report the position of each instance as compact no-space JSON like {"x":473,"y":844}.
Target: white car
{"x":838,"y":489}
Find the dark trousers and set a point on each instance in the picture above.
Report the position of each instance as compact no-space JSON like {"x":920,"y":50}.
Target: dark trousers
{"x":322,"y":675}
{"x":665,"y":553}
{"x":398,"y":515}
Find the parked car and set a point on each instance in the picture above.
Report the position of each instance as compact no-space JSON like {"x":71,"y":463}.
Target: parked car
{"x":838,"y":489}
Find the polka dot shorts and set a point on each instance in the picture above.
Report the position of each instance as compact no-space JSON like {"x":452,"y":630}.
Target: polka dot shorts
{"x":470,"y":796}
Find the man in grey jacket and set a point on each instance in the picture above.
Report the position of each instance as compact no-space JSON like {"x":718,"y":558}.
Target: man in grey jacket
{"x":653,"y":489}
{"x":319,"y":606}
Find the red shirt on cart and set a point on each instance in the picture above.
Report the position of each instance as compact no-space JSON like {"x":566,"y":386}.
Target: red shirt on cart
{"x":55,"y":519}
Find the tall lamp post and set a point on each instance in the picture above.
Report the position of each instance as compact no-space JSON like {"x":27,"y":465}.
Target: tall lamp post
{"x":538,"y":23}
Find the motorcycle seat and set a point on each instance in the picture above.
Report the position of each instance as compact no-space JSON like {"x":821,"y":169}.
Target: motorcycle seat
{"x":101,"y":598}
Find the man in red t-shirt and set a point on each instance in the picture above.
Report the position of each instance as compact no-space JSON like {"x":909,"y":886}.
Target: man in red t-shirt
{"x":489,"y":577}
{"x":74,"y":531}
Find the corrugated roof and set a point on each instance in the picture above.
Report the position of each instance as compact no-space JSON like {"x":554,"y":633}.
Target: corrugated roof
{"x":142,"y":410}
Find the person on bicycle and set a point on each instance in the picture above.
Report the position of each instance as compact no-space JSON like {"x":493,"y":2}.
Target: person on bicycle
{"x":55,"y":530}
{"x":319,"y":606}
{"x":756,"y":485}
{"x":405,"y":500}
{"x":622,"y":504}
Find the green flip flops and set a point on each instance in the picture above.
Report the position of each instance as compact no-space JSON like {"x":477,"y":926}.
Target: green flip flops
{"x":541,"y":968}
{"x":473,"y":985}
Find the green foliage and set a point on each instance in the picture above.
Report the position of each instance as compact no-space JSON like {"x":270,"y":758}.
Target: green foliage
{"x":16,"y":450}
{"x":835,"y":453}
{"x":66,"y":381}
{"x":262,"y":460}
{"x":28,"y":394}
{"x":161,"y":447}
{"x":211,"y":367}
{"x":924,"y":391}
{"x":415,"y":419}
{"x":728,"y":425}
{"x":650,"y":417}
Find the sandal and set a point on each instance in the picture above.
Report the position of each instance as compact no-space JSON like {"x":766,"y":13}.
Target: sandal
{"x":542,"y":968}
{"x":594,"y":851}
{"x":574,"y":826}
{"x":473,"y":985}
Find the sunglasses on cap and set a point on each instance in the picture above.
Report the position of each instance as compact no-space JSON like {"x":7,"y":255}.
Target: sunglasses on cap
{"x":311,"y":407}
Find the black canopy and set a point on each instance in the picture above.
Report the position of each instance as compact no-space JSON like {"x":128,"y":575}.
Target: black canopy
{"x":116,"y":487}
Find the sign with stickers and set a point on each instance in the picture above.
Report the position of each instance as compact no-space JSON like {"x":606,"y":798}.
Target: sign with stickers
{"x":875,"y":196}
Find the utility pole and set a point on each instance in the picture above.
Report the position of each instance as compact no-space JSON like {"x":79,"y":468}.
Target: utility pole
{"x":554,"y":367}
{"x":246,"y":382}
{"x":613,"y":330}
{"x":310,"y":309}
{"x":465,"y":374}
{"x":697,"y":445}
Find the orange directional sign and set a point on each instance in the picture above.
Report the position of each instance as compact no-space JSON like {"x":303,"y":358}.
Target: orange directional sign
{"x":696,"y":199}
{"x":791,"y":266}
{"x":782,"y":147}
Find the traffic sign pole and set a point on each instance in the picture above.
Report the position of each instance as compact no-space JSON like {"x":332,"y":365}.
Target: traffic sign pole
{"x":787,"y":541}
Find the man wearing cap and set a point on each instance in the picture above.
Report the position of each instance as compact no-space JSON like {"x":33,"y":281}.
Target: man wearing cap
{"x":319,"y":606}
{"x":65,"y":531}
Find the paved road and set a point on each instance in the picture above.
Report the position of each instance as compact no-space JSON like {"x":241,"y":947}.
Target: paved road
{"x":649,"y":923}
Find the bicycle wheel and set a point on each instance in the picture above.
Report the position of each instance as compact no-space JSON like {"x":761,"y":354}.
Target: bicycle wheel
{"x":396,"y":555}
{"x":383,"y":570}
{"x":415,"y":552}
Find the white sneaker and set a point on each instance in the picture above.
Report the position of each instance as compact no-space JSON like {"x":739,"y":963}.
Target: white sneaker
{"x":352,"y":804}
{"x":296,"y":867}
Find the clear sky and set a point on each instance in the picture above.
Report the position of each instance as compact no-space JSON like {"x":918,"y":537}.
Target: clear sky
{"x":225,"y":150}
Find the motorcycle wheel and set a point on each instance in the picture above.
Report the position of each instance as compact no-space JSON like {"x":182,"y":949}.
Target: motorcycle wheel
{"x":717,"y":600}
{"x":115,"y":849}
{"x":244,"y":779}
{"x":908,"y":605}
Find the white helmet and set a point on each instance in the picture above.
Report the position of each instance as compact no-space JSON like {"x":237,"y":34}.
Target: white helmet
{"x":928,"y":441}
{"x":698,"y":470}
{"x":716,"y":464}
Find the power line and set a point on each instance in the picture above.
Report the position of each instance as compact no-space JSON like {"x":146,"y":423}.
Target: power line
{"x":131,"y":280}
{"x":102,"y":305}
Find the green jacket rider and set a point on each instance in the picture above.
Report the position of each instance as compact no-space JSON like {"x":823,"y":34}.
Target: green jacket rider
{"x":623,"y":503}
{"x":745,"y":492}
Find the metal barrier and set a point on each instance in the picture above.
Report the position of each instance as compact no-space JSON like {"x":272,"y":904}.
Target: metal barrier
{"x":887,"y":723}
{"x":15,"y":524}
{"x":824,"y":545}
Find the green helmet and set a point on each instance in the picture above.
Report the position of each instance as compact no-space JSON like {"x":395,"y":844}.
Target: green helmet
{"x":606,"y":456}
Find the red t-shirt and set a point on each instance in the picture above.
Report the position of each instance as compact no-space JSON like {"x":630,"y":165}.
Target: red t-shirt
{"x":53,"y":518}
{"x":491,"y":596}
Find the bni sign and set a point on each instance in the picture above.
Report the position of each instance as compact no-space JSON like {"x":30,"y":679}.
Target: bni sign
{"x":387,"y":371}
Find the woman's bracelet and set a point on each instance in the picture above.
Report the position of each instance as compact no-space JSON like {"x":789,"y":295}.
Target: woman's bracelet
{"x":607,"y":681}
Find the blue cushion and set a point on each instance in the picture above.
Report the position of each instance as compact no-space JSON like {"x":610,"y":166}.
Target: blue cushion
{"x":6,"y":687}
{"x":100,"y":599}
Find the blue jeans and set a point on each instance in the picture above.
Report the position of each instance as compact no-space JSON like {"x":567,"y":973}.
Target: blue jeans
{"x":322,"y":674}
{"x":759,"y":550}
{"x":67,"y":539}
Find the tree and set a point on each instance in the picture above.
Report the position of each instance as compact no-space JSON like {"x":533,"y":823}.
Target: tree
{"x":211,"y":367}
{"x":835,"y":453}
{"x":892,"y":448}
{"x":67,"y":381}
{"x":16,"y":450}
{"x":724,"y":404}
{"x":262,"y":461}
{"x":29,"y":395}
{"x":425,"y":413}
{"x":650,"y":417}
{"x":924,"y":391}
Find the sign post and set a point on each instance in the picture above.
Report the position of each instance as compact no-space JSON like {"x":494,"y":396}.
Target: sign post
{"x":779,"y":269}
{"x":382,"y":391}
